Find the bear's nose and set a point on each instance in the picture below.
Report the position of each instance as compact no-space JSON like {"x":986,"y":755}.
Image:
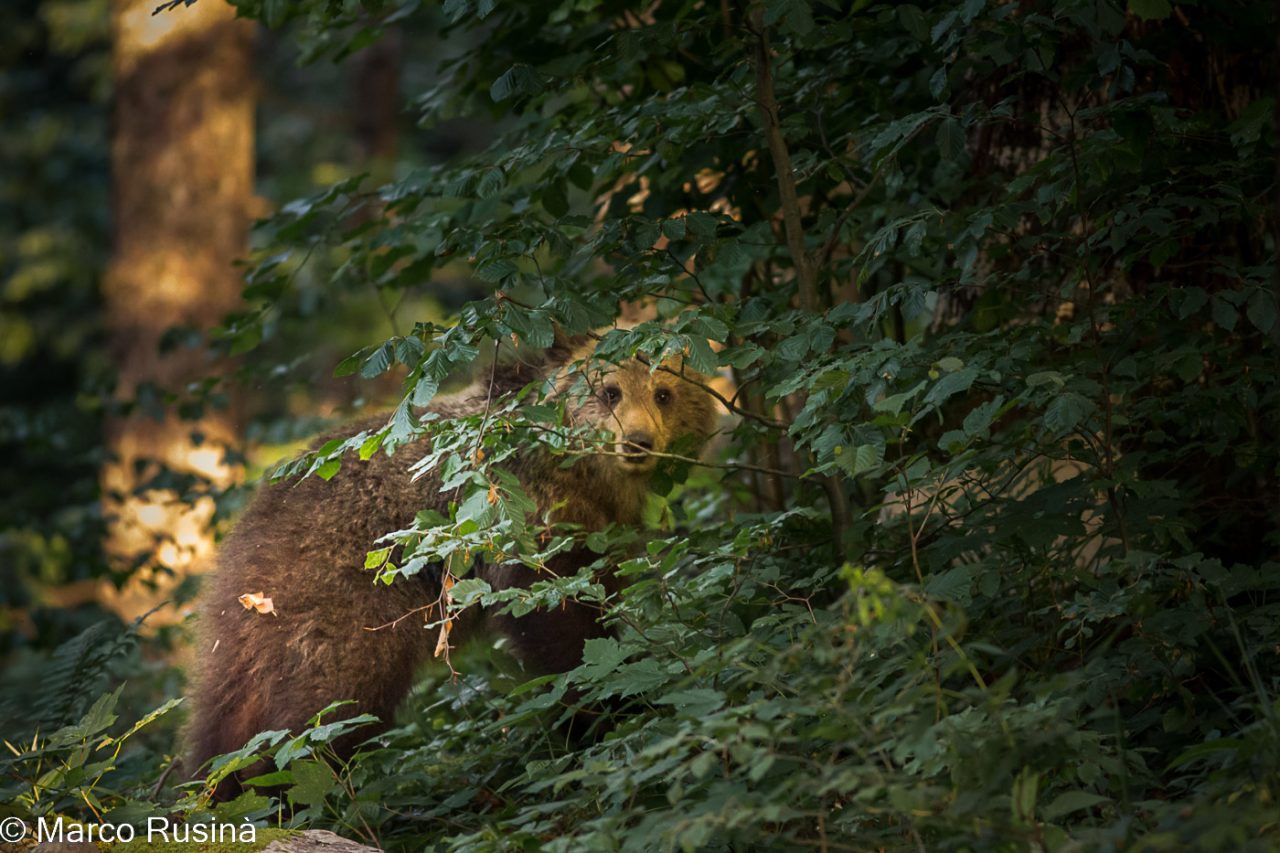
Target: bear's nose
{"x":636,"y":445}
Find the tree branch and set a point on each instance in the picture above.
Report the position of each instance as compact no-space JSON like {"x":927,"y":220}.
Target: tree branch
{"x":767,"y":101}
{"x":806,"y":279}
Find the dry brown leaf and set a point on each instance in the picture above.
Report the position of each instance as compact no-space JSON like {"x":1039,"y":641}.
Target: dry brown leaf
{"x":493,"y":494}
{"x":258,"y":601}
{"x":442,"y":642}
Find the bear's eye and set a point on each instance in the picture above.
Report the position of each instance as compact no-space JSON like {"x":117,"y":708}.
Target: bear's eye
{"x":662,"y":396}
{"x":612,"y":395}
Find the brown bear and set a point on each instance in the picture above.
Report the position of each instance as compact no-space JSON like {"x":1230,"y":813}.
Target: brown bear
{"x":303,"y":544}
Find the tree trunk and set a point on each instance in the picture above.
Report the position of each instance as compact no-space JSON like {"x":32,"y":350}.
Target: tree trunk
{"x":182,"y":167}
{"x":377,"y":105}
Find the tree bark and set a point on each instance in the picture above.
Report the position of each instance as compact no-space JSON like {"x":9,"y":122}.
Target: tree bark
{"x":377,"y":106}
{"x":182,"y":194}
{"x":767,"y":102}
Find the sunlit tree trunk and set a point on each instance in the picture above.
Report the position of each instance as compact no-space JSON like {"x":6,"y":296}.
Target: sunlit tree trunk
{"x":182,"y":166}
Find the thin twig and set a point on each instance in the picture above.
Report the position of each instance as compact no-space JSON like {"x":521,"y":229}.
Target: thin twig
{"x":691,"y":273}
{"x":155,"y":791}
{"x":588,"y":450}
{"x":394,"y":622}
{"x":724,"y":401}
{"x":488,"y":399}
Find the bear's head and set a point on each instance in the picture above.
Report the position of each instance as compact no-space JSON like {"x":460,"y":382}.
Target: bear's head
{"x":647,"y":410}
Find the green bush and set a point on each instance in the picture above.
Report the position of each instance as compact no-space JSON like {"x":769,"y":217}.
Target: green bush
{"x":987,"y":558}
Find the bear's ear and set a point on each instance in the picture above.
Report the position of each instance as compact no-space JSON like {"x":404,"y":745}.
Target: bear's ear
{"x":566,"y":347}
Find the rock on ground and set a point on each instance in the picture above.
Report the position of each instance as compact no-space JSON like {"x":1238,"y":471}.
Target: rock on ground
{"x":317,"y":841}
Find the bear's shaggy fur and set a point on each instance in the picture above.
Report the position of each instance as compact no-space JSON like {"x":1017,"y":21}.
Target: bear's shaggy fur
{"x":303,"y":544}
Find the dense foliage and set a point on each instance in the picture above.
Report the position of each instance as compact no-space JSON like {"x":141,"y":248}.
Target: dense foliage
{"x":986,"y":556}
{"x":53,"y":223}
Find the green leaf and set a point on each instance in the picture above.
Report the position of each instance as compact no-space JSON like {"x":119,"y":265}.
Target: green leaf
{"x":313,"y":782}
{"x":894,"y":402}
{"x":1045,"y":377}
{"x":1066,"y":412}
{"x":938,"y":82}
{"x":701,"y":225}
{"x":555,"y":198}
{"x":640,"y":677}
{"x":867,"y":457}
{"x":1193,"y":299}
{"x":951,"y":384}
{"x":101,"y":715}
{"x":275,"y":13}
{"x":799,"y":17}
{"x":327,"y":470}
{"x":702,"y":357}
{"x":402,"y":425}
{"x":1188,"y":366}
{"x":496,"y":270}
{"x":1262,"y":311}
{"x":424,"y":390}
{"x":581,"y":176}
{"x":1025,"y":789}
{"x":144,"y":721}
{"x":599,"y":659}
{"x":409,"y":350}
{"x":863,"y":458}
{"x":793,"y":348}
{"x":1151,"y":10}
{"x":454,"y":9}
{"x":1224,"y":313}
{"x":517,"y":80}
{"x":370,"y":446}
{"x":351,"y":363}
{"x":950,"y":364}
{"x":943,"y":26}
{"x":1208,"y":749}
{"x":953,"y":584}
{"x":979,"y":419}
{"x":491,"y":183}
{"x":377,"y":362}
{"x":1071,"y":802}
{"x":913,"y":21}
{"x":951,"y":142}
{"x":694,"y":702}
